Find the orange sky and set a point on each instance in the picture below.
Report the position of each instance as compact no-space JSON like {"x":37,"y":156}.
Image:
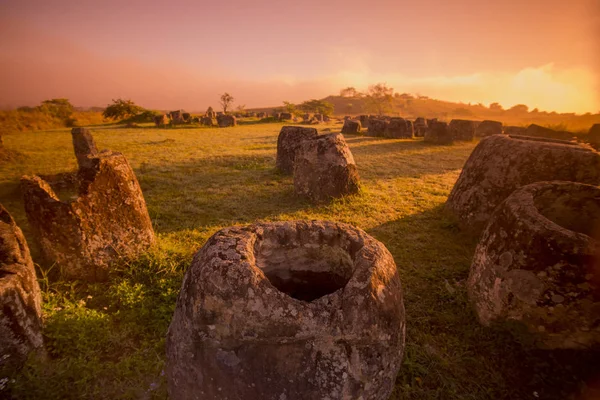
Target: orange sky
{"x":183,"y":54}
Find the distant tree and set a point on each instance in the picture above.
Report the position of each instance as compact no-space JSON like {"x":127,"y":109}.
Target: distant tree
{"x":289,"y":107}
{"x":317,"y":106}
{"x":121,"y":109}
{"x":380,"y":98}
{"x":349,"y":92}
{"x":496,"y":107}
{"x":241,"y":108}
{"x":519,"y":108}
{"x":60,"y":108}
{"x":349,"y":108}
{"x":226,"y":101}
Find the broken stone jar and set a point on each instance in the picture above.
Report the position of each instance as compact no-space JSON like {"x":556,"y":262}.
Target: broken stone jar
{"x":537,"y":267}
{"x":288,"y":310}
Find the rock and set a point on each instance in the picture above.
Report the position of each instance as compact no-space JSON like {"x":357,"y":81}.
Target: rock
{"x":515,"y":130}
{"x":225,"y":121}
{"x":187,"y":117}
{"x":489,"y":128}
{"x":261,"y":115}
{"x":420,"y":127}
{"x":285,"y":116}
{"x":364,"y":121}
{"x":277,"y":116}
{"x":351,"y":126}
{"x":462,"y":130}
{"x":324,"y":168}
{"x":20,"y":298}
{"x":210,"y":113}
{"x":431,"y":121}
{"x":161,"y":120}
{"x":534,"y":265}
{"x":289,"y":140}
{"x":177,"y":117}
{"x":534,"y":130}
{"x":593,"y":137}
{"x":107,"y":221}
{"x":438,"y":133}
{"x":377,"y":126}
{"x":287,"y":310}
{"x":207,"y":121}
{"x":84,"y":146}
{"x":318,"y":117}
{"x":501,"y":164}
{"x":399,"y":128}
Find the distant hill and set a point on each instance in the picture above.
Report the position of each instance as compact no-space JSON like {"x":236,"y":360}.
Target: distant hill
{"x":411,"y":107}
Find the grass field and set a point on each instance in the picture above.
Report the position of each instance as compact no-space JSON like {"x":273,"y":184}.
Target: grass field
{"x":106,"y":341}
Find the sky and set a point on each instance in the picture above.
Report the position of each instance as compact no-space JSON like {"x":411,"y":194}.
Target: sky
{"x":184,"y":54}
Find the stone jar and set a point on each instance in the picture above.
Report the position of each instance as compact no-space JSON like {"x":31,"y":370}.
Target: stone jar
{"x":287,"y":310}
{"x":537,"y":264}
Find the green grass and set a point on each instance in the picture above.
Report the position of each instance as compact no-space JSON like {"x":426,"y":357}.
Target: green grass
{"x":106,"y":341}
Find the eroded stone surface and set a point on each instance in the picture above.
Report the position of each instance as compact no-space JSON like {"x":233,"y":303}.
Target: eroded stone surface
{"x":534,"y":130}
{"x":107,"y":220}
{"x":241,"y":329}
{"x":399,"y":128}
{"x":351,"y":126}
{"x":226,"y":120}
{"x":377,"y":126}
{"x":536,"y":264}
{"x":84,"y":146}
{"x":462,"y":129}
{"x":420,"y":127}
{"x":515,"y":130}
{"x":500,"y":164}
{"x":20,"y":297}
{"x":438,"y":133}
{"x":289,"y":140}
{"x":324,"y":168}
{"x":488,"y":128}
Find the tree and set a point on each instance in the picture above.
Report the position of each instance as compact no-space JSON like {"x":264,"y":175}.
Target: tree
{"x":317,"y":106}
{"x":226,"y":101}
{"x":60,"y":108}
{"x":349,"y":92}
{"x":241,"y":108}
{"x":519,"y":108}
{"x":121,"y":109}
{"x":496,"y":107}
{"x":290,"y":107}
{"x":380,"y":98}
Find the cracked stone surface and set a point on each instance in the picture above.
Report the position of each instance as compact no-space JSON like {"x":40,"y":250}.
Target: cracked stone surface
{"x":351,"y":126}
{"x":500,"y":164}
{"x":20,"y":297}
{"x":537,"y":265}
{"x":287,"y":310}
{"x":106,"y":221}
{"x":438,"y":133}
{"x":324,"y":168}
{"x":288,"y":142}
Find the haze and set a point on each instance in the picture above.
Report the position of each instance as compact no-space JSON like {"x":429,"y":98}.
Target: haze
{"x":183,"y":54}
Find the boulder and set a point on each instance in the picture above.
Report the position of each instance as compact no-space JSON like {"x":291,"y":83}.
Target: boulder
{"x":351,"y":126}
{"x":431,"y":121}
{"x":261,"y":115}
{"x":285,"y":116}
{"x":420,"y":127}
{"x":488,"y":128}
{"x":288,"y":310}
{"x":438,"y":133}
{"x":225,"y":121}
{"x":161,"y":120}
{"x":462,"y":130}
{"x":207,"y":121}
{"x":318,"y":117}
{"x":187,"y":117}
{"x":515,"y":130}
{"x":534,"y":130}
{"x":277,"y":116}
{"x":399,"y":128}
{"x":501,"y":164}
{"x":84,"y":146}
{"x":289,"y":140}
{"x":593,"y":137}
{"x":176,"y":117}
{"x":536,"y":265}
{"x":20,"y":298}
{"x":108,"y":220}
{"x":324,"y":168}
{"x":377,"y":126}
{"x":326,"y":118}
{"x":364,"y":121}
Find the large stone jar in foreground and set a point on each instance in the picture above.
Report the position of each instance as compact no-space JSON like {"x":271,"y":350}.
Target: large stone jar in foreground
{"x":288,"y":310}
{"x":537,"y":264}
{"x":324,"y":168}
{"x":20,"y":298}
{"x":500,"y":164}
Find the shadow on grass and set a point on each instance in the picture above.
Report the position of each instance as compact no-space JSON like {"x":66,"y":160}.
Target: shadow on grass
{"x":449,"y":355}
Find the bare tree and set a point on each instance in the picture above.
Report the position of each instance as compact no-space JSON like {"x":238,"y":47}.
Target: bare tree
{"x":380,"y":98}
{"x":226,"y":101}
{"x":349,"y":92}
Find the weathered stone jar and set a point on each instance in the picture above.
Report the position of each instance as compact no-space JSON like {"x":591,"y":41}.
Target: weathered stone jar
{"x":500,"y":164}
{"x":288,"y":310}
{"x":20,"y":297}
{"x":288,"y":142}
{"x":537,"y":264}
